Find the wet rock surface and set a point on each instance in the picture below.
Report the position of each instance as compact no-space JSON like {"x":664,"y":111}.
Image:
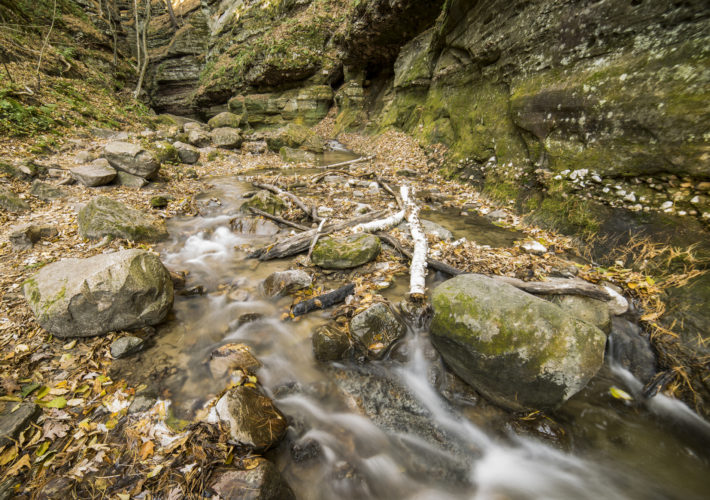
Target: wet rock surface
{"x":266,"y":202}
{"x":285,"y":283}
{"x":93,"y":296}
{"x":125,"y":346}
{"x":376,"y":329}
{"x":330,"y":343}
{"x":261,"y":481}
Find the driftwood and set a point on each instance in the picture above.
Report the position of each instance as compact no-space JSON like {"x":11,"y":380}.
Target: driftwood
{"x":317,"y":178}
{"x":387,"y":222}
{"x":323,"y":301}
{"x":417,"y":269}
{"x":310,"y":212}
{"x":350,"y":162}
{"x":278,"y":219}
{"x":553,"y":286}
{"x":300,"y":242}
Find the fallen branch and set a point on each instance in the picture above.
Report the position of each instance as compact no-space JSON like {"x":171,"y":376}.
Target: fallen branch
{"x":44,"y":45}
{"x":278,"y":219}
{"x":388,"y":222}
{"x":553,"y":286}
{"x":323,"y":301}
{"x":417,"y":270}
{"x":310,"y":212}
{"x":300,"y":242}
{"x":397,"y":198}
{"x":350,"y":162}
{"x":315,"y":239}
{"x":317,"y":178}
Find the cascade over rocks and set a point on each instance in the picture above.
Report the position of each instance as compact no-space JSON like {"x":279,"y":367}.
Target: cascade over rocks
{"x":93,"y":296}
{"x":103,"y":216}
{"x":519,"y":351}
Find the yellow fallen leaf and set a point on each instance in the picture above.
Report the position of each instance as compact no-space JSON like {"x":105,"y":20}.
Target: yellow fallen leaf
{"x":156,"y":470}
{"x":146,"y":450}
{"x":42,"y":449}
{"x":15,"y":469}
{"x":70,"y":345}
{"x":8,"y":455}
{"x":620,"y":394}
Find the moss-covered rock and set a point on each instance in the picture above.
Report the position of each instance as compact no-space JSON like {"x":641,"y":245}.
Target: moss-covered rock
{"x":226,"y":137}
{"x":165,"y":152}
{"x":520,"y":351}
{"x":46,"y":192}
{"x":103,"y":216}
{"x":12,"y":203}
{"x":225,"y":119}
{"x":107,"y":292}
{"x":594,"y":312}
{"x":266,"y":202}
{"x":291,"y":155}
{"x":345,"y":253}
{"x":295,"y":136}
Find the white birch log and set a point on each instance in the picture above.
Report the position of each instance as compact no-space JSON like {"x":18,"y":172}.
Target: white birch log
{"x":387,"y":222}
{"x":418,"y":267}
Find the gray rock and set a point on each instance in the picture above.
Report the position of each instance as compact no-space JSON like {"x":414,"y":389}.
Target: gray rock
{"x":376,"y":329}
{"x":329,"y":343}
{"x":26,"y":235}
{"x":224,"y":119}
{"x":592,"y":311}
{"x":198,"y":138}
{"x":631,"y":350}
{"x":192,"y":126}
{"x":141,"y":403}
{"x":263,"y":482}
{"x":266,"y":202}
{"x":130,"y":180}
{"x":125,"y":346}
{"x":13,"y":421}
{"x":131,"y":158}
{"x":108,"y":292}
{"x":484,"y":328}
{"x":254,"y":147}
{"x":103,"y":216}
{"x":187,"y":153}
{"x":165,"y":152}
{"x":251,"y":417}
{"x":11,"y":202}
{"x":97,"y":173}
{"x":84,"y":157}
{"x":225,"y":137}
{"x":285,"y":283}
{"x":429,"y":227}
{"x":296,"y":155}
{"x":46,"y":192}
{"x":230,"y":357}
{"x":344,"y":253}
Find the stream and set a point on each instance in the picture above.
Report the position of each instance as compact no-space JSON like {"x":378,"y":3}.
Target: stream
{"x":402,"y":428}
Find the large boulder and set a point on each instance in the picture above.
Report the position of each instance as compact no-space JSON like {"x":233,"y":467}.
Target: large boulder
{"x":251,"y":417}
{"x":376,"y":329}
{"x":226,"y":137}
{"x":266,"y":202}
{"x":131,"y":158}
{"x":107,"y":292}
{"x":224,"y":119}
{"x":97,"y":173}
{"x":345,"y":253}
{"x":519,"y":351}
{"x":198,"y":138}
{"x":294,"y":136}
{"x":103,"y":216}
{"x":595,"y":312}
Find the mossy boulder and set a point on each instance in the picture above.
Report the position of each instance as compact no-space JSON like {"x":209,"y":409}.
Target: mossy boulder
{"x":291,"y":155}
{"x":165,"y":152}
{"x":103,"y":216}
{"x":595,"y":312}
{"x":519,"y":351}
{"x":107,"y":292}
{"x":12,"y":203}
{"x":345,"y":253}
{"x":225,"y":119}
{"x":376,"y":329}
{"x":226,"y":137}
{"x":295,"y":136}
{"x":265,"y":201}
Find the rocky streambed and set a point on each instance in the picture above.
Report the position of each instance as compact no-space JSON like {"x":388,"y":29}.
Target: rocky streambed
{"x":147,"y":353}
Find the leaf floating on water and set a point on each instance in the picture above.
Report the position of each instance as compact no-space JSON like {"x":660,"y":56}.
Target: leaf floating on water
{"x":620,"y":393}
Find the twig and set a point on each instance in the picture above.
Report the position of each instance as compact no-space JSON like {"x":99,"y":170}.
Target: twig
{"x":315,"y":239}
{"x":398,"y":199}
{"x":317,"y":178}
{"x":349,"y":162}
{"x":310,"y":212}
{"x":44,"y":45}
{"x":323,"y":301}
{"x":7,"y":70}
{"x":278,"y":219}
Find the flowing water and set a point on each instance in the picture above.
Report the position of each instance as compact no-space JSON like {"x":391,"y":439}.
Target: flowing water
{"x":402,"y":427}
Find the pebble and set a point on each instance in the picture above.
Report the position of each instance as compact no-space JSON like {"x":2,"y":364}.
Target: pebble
{"x":534,"y":247}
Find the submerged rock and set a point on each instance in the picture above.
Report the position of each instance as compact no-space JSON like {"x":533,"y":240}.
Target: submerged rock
{"x":262,"y":481}
{"x":257,"y":226}
{"x":519,"y":351}
{"x":131,"y":158}
{"x":251,"y":417}
{"x":103,"y":216}
{"x":285,"y":283}
{"x":376,"y":329}
{"x":329,"y":343}
{"x":108,"y":292}
{"x":429,"y":227}
{"x":266,"y":202}
{"x":345,"y":253}
{"x":97,"y":173}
